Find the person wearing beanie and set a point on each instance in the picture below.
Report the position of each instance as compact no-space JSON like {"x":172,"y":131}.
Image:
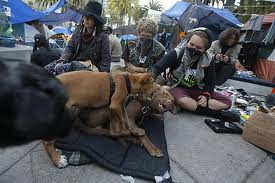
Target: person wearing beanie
{"x":143,"y":52}
{"x":42,"y":53}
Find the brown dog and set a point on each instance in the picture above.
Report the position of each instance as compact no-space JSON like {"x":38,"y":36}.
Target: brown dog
{"x":93,"y":90}
{"x":95,"y":121}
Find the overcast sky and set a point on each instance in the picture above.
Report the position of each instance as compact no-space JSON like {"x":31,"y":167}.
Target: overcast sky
{"x":165,"y":3}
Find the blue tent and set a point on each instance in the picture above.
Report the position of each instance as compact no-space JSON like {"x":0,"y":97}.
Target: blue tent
{"x":1,"y":7}
{"x":215,"y":19}
{"x":173,"y":14}
{"x":61,"y":30}
{"x":20,"y":12}
{"x":58,"y":18}
{"x":55,"y":6}
{"x":128,"y":37}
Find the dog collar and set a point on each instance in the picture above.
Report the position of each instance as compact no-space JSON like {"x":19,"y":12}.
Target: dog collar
{"x":127,"y":81}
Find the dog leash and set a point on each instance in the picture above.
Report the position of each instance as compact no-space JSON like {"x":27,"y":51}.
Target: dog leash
{"x":146,"y":109}
{"x":128,"y":84}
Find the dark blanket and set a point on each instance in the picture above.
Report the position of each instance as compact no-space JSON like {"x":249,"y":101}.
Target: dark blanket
{"x":130,"y":160}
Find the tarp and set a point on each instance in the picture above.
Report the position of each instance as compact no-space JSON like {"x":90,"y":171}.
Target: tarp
{"x":1,"y":7}
{"x":59,"y":18}
{"x":215,"y":19}
{"x":269,"y":18}
{"x":20,"y":12}
{"x":54,"y":7}
{"x":264,"y":69}
{"x":172,"y":15}
{"x":270,"y":36}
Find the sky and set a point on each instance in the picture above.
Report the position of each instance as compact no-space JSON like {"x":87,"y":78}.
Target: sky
{"x":165,"y":3}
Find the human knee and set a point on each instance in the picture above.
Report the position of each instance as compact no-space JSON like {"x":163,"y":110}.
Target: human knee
{"x":187,"y":103}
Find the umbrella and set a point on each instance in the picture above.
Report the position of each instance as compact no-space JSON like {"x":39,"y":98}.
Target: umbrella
{"x":61,"y":30}
{"x":128,"y":37}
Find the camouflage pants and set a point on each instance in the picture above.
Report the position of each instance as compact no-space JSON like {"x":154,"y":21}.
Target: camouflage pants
{"x":58,"y":68}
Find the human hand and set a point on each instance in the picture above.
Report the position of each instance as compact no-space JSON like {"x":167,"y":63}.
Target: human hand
{"x":130,"y":68}
{"x":202,"y":101}
{"x":219,"y":57}
{"x":225,"y":58}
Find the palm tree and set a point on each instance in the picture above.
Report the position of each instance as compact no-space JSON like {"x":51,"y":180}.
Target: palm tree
{"x":46,"y":3}
{"x":154,"y":5}
{"x":119,"y":9}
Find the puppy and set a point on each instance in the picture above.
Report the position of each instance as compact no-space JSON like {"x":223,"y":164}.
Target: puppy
{"x":93,"y":90}
{"x":33,"y":104}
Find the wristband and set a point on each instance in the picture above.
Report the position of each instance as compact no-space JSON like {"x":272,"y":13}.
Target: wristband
{"x":207,"y":95}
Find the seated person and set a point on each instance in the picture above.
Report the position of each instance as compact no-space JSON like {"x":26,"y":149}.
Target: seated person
{"x":115,"y":45}
{"x":44,"y":54}
{"x":225,"y":51}
{"x":192,"y":75}
{"x":143,"y":52}
{"x":88,"y":42}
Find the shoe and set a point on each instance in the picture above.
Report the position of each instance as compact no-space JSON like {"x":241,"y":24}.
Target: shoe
{"x":223,"y":127}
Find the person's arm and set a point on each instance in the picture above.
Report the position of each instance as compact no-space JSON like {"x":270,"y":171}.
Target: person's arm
{"x":233,"y":57}
{"x":172,"y":58}
{"x":167,"y":61}
{"x":105,"y":63}
{"x":70,"y":49}
{"x":213,"y":49}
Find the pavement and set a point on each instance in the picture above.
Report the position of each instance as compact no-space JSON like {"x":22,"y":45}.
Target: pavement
{"x":196,"y":154}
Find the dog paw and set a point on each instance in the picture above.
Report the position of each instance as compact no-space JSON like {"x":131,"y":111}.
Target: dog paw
{"x":62,"y":162}
{"x":155,"y":152}
{"x":137,"y":132}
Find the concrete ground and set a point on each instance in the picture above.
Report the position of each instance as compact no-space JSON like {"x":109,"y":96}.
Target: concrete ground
{"x":196,"y":153}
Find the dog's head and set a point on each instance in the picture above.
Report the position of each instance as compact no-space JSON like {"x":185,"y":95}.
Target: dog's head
{"x":142,"y":83}
{"x":34,"y":105}
{"x":162,"y":101}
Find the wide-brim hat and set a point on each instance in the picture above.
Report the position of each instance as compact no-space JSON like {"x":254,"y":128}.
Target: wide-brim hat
{"x":93,"y":8}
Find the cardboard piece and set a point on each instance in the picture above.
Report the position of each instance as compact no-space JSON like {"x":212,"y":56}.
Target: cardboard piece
{"x":260,"y":130}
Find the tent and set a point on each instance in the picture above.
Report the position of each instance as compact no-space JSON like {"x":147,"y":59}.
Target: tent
{"x":21,"y":13}
{"x":215,"y":19}
{"x":59,"y":18}
{"x":172,"y":15}
{"x":1,"y":7}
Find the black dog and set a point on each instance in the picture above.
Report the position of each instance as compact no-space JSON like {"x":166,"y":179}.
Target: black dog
{"x":32,"y":104}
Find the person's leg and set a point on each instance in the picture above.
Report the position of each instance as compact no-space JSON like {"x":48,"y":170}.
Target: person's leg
{"x":183,"y":98}
{"x":219,"y":102}
{"x":50,"y":67}
{"x":62,"y":68}
{"x":224,"y":72}
{"x":187,"y":103}
{"x":216,"y":104}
